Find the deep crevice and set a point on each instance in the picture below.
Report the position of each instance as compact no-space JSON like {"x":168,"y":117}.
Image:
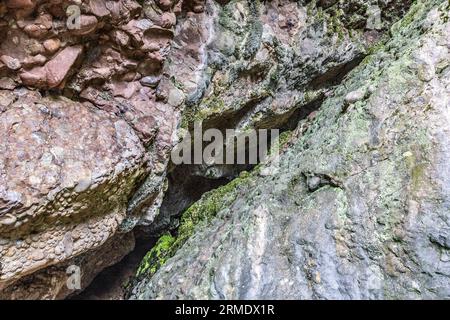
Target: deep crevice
{"x":186,"y":186}
{"x":111,"y":283}
{"x":336,"y":75}
{"x":188,"y":183}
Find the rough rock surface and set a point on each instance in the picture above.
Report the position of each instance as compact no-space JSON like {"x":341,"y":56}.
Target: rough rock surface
{"x":359,"y":206}
{"x":87,"y":113}
{"x":63,"y":164}
{"x":262,"y":65}
{"x":94,"y":94}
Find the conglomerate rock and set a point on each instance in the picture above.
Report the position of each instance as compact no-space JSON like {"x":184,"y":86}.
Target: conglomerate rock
{"x":83,"y":123}
{"x":66,"y":173}
{"x":359,"y":206}
{"x":94,"y":94}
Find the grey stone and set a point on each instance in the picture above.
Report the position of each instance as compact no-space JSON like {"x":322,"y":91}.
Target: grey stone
{"x":270,"y":237}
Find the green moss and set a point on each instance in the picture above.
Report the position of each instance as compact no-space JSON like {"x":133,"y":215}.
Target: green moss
{"x":312,"y":95}
{"x":157,"y":256}
{"x":255,"y":31}
{"x":418,"y":175}
{"x":211,"y":105}
{"x":187,"y":117}
{"x":409,"y":17}
{"x":207,"y":208}
{"x":227,"y":20}
{"x":377,"y":47}
{"x":335,"y":25}
{"x":199,"y":213}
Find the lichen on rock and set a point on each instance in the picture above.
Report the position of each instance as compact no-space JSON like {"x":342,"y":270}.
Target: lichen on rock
{"x":359,"y":207}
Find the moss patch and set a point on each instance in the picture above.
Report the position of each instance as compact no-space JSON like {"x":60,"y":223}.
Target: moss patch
{"x":199,"y":213}
{"x":157,"y":256}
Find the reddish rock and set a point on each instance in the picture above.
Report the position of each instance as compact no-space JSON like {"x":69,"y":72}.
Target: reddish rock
{"x":10,"y":62}
{"x":55,"y":71}
{"x":165,"y":4}
{"x":36,"y":77}
{"x":37,"y":60}
{"x":98,"y":8}
{"x":58,"y":68}
{"x":62,"y":161}
{"x":168,"y":20}
{"x":35,"y":47}
{"x":36,"y":30}
{"x":52,"y":45}
{"x":198,"y":9}
{"x":46,"y":20}
{"x":124,"y":50}
{"x":120,"y":37}
{"x":20,"y":4}
{"x":87,"y":25}
{"x":7,"y":83}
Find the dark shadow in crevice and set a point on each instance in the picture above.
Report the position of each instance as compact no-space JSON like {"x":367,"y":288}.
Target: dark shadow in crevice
{"x":336,"y":75}
{"x":188,"y":183}
{"x":111,"y":283}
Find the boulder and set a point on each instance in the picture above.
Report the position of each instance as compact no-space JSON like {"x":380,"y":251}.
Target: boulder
{"x":67,"y":170}
{"x":53,"y":73}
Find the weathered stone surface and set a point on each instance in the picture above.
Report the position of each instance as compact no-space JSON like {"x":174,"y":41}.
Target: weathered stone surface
{"x":88,"y":117}
{"x":265,"y":62}
{"x":260,"y":65}
{"x":51,"y":282}
{"x":61,"y":167}
{"x":55,"y":71}
{"x":20,"y":4}
{"x":118,"y":133}
{"x":359,"y":207}
{"x":87,"y":25}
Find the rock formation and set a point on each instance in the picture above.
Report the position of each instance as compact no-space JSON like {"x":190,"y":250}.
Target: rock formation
{"x":95,"y":94}
{"x":359,"y":206}
{"x":87,"y":114}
